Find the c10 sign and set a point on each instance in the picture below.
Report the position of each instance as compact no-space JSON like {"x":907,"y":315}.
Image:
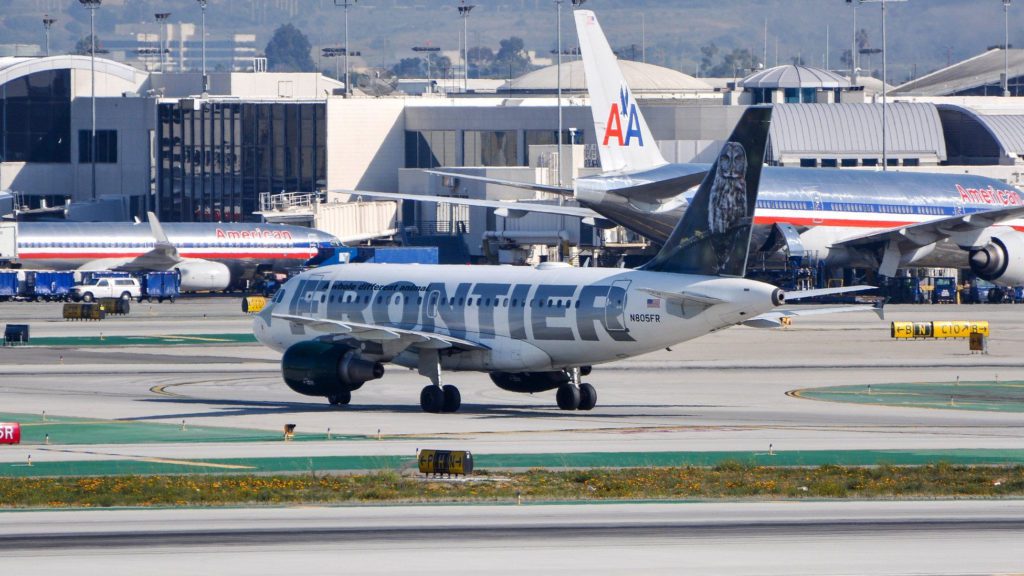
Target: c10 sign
{"x":10,"y":433}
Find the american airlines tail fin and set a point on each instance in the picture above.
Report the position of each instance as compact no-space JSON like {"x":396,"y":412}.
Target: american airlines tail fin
{"x":623,"y":138}
{"x":713,"y":236}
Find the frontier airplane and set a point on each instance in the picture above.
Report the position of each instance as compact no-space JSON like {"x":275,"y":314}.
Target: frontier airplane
{"x":851,"y":218}
{"x":532,"y":329}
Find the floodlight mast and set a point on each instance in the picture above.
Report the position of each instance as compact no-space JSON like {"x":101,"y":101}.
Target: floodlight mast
{"x":1006,"y":48}
{"x":464,"y":10}
{"x":161,"y":19}
{"x":206,"y":82}
{"x":885,"y":78}
{"x":47,"y":24}
{"x":92,"y":6}
{"x":346,"y":4}
{"x":430,"y":50}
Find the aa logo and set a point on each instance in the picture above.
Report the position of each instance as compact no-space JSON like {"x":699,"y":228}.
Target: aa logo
{"x":613,"y":128}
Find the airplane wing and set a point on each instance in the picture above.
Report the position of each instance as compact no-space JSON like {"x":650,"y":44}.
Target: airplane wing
{"x":375,"y":333}
{"x":560,"y":190}
{"x":503,"y":208}
{"x":965,"y":230}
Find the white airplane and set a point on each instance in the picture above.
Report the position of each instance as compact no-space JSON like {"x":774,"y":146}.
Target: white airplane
{"x":206,"y":255}
{"x":532,"y":329}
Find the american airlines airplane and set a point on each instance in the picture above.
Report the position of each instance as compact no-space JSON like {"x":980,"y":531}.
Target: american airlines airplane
{"x":532,"y":329}
{"x":848,"y":218}
{"x":208,"y":256}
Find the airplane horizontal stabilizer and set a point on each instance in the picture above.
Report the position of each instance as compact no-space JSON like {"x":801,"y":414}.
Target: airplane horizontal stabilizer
{"x":774,"y":318}
{"x":814,"y":293}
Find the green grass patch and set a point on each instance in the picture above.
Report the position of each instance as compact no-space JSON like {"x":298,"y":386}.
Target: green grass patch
{"x":982,"y":396}
{"x":729,"y":480}
{"x":70,"y":431}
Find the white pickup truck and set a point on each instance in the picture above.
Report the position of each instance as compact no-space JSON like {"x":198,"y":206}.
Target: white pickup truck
{"x":124,"y":288}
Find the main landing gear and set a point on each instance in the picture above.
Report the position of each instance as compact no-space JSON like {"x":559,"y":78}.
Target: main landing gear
{"x":576,"y":395}
{"x":436,"y":398}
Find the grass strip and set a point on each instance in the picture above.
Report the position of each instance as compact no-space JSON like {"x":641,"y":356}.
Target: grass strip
{"x":728,"y":480}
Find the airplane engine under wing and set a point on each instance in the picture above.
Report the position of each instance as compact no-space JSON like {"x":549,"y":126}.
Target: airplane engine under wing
{"x":318,"y":368}
{"x":1001,"y":260}
{"x":199,"y":275}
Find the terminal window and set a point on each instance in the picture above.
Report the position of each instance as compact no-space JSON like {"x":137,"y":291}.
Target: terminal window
{"x":490,"y":148}
{"x":35,"y":118}
{"x":106,"y":147}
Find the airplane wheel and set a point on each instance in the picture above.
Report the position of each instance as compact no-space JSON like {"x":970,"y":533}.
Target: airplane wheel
{"x":452,"y":398}
{"x":568,"y":397}
{"x":340,"y":399}
{"x":588,"y":397}
{"x":432,"y":399}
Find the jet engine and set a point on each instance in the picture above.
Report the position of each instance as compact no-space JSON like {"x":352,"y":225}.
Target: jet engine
{"x":318,"y":368}
{"x":1001,"y":260}
{"x":529,"y":382}
{"x":199,"y":275}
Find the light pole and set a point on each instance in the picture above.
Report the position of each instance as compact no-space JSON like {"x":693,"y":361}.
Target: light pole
{"x":464,"y":10}
{"x":346,"y":4}
{"x":885,"y":77}
{"x":161,"y":19}
{"x":47,"y":24}
{"x":853,"y":46}
{"x":430,"y":51}
{"x":206,"y":84}
{"x":1006,"y":48}
{"x":92,"y":6}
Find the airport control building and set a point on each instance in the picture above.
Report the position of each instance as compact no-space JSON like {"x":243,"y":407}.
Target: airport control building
{"x":281,"y":144}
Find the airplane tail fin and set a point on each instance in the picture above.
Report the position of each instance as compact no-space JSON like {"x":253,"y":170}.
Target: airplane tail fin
{"x":623,"y":138}
{"x":713,"y":236}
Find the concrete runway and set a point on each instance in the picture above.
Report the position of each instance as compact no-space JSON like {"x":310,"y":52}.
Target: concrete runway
{"x":726,"y":391}
{"x":934,"y":537}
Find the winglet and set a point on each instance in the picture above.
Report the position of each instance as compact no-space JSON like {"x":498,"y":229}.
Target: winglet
{"x":157,"y":229}
{"x":880,"y":308}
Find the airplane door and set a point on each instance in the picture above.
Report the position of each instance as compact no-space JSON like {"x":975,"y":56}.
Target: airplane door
{"x":316,"y":295}
{"x":615,"y":306}
{"x":313,"y":249}
{"x":819,"y":207}
{"x":432,"y":299}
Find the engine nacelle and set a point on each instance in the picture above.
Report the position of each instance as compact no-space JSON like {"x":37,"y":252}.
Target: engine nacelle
{"x":200,"y":275}
{"x":1001,"y":260}
{"x":317,"y":368}
{"x":529,"y":382}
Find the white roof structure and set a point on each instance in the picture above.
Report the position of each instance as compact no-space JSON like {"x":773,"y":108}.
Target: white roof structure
{"x":792,"y":76}
{"x":641,"y":77}
{"x":981,"y":70}
{"x":129,"y":78}
{"x":815,"y":130}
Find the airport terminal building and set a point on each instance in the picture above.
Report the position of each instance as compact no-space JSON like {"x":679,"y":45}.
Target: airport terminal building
{"x":163,"y":145}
